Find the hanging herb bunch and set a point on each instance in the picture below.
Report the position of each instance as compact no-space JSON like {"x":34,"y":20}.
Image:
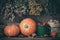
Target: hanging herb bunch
{"x":38,"y":7}
{"x":35,"y":8}
{"x":13,"y":10}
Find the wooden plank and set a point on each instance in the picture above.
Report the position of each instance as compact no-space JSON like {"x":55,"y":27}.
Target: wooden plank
{"x":30,"y":38}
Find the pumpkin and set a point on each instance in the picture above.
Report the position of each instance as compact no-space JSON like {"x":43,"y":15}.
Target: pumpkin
{"x":11,"y":30}
{"x":53,"y":34}
{"x":27,"y":26}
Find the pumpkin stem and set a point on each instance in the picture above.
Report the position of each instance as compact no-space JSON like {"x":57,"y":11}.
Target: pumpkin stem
{"x":26,"y":26}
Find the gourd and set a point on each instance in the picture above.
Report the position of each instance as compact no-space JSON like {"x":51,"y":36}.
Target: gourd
{"x":27,"y":26}
{"x":11,"y":30}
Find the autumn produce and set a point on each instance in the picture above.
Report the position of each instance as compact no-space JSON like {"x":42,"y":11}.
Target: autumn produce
{"x":11,"y":30}
{"x":27,"y":26}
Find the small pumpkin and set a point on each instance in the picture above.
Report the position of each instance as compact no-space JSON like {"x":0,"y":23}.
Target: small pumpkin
{"x":11,"y":30}
{"x":53,"y":34}
{"x":27,"y":26}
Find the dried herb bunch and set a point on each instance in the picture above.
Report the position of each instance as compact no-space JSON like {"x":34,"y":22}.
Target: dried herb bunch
{"x":13,"y":10}
{"x":35,"y":8}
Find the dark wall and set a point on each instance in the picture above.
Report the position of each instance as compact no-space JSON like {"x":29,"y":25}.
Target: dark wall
{"x":54,"y":12}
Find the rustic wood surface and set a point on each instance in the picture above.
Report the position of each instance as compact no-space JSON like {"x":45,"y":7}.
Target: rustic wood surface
{"x":43,"y":38}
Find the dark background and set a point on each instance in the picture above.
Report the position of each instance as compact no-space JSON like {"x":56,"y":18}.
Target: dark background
{"x":54,"y":7}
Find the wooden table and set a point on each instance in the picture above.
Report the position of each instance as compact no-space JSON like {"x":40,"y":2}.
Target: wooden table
{"x":41,"y":38}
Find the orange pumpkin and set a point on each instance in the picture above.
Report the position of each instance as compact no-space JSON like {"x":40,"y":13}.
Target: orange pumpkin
{"x":11,"y":30}
{"x":53,"y":34}
{"x":27,"y":26}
